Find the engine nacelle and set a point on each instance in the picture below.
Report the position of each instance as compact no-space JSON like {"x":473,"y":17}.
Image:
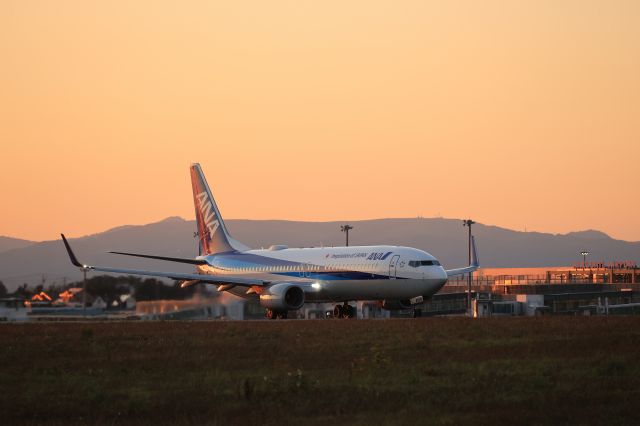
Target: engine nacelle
{"x":283,"y":296}
{"x":396,"y":305}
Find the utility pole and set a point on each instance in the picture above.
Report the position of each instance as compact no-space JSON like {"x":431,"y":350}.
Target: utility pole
{"x":468,"y":224}
{"x":346,"y":229}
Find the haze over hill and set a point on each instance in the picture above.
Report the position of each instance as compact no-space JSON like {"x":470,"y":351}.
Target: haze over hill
{"x":444,"y":238}
{"x":9,"y":243}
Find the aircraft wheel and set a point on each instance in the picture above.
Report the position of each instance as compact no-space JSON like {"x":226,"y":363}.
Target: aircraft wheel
{"x":349,"y":311}
{"x":271,"y":314}
{"x":338,"y":312}
{"x":282,"y":315}
{"x":417,"y":313}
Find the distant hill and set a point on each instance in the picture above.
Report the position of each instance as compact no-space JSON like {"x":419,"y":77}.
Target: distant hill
{"x":8,"y":243}
{"x":444,"y":238}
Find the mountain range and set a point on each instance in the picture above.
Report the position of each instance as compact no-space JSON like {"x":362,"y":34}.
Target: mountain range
{"x":32,"y":262}
{"x":8,"y":243}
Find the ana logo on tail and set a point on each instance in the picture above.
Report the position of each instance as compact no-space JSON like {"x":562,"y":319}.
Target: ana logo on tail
{"x":207,"y":213}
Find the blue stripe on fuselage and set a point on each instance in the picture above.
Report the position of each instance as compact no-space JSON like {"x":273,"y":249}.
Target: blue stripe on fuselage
{"x":235,"y":260}
{"x":243,"y":260}
{"x":337,"y":275}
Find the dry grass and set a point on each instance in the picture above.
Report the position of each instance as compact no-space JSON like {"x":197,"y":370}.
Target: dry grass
{"x":438,"y":371}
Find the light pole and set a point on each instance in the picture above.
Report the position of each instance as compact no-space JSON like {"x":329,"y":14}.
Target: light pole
{"x":584,"y":254}
{"x":84,"y":292}
{"x":468,"y":224}
{"x":346,"y":229}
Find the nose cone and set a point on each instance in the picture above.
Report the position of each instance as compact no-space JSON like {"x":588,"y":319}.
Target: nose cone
{"x":435,"y":274}
{"x":442,"y":274}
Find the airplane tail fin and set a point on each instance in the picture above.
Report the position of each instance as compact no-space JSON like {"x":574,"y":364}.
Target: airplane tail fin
{"x":212,"y":233}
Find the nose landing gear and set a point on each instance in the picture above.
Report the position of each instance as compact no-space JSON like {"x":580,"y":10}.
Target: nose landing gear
{"x":276,"y":314}
{"x":344,"y":311}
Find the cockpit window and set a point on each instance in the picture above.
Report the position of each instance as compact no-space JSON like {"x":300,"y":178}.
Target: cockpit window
{"x":416,"y":263}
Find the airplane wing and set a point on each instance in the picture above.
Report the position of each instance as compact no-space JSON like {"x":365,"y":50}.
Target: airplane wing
{"x":460,"y":271}
{"x":468,"y":269}
{"x":188,"y":278}
{"x":168,"y":259}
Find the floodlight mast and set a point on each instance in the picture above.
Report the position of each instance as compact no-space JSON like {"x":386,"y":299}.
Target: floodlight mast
{"x":346,"y":229}
{"x":468,"y":223}
{"x":584,"y":254}
{"x":84,"y":292}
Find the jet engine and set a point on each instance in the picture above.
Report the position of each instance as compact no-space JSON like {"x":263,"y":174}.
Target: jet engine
{"x":283,"y":296}
{"x":395,"y":305}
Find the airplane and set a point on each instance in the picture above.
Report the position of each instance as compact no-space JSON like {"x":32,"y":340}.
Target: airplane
{"x":283,"y":279}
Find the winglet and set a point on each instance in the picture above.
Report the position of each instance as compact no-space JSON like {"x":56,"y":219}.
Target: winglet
{"x":474,"y":254}
{"x":475,"y":264}
{"x":72,"y":256}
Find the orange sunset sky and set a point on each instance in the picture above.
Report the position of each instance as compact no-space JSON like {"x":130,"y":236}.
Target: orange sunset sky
{"x":515,"y":113}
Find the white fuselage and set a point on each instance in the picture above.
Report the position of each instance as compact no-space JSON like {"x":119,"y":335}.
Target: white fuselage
{"x":336,"y":274}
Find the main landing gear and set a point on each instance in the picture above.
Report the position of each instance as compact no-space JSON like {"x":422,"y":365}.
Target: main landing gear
{"x":344,"y":311}
{"x":276,"y":314}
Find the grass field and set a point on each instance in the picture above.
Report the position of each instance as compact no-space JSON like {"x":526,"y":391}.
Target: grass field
{"x":549,"y":370}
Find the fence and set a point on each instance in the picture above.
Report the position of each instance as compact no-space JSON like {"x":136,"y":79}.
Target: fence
{"x":578,"y":276}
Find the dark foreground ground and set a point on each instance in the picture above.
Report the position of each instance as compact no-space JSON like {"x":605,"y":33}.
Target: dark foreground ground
{"x":550,"y":370}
